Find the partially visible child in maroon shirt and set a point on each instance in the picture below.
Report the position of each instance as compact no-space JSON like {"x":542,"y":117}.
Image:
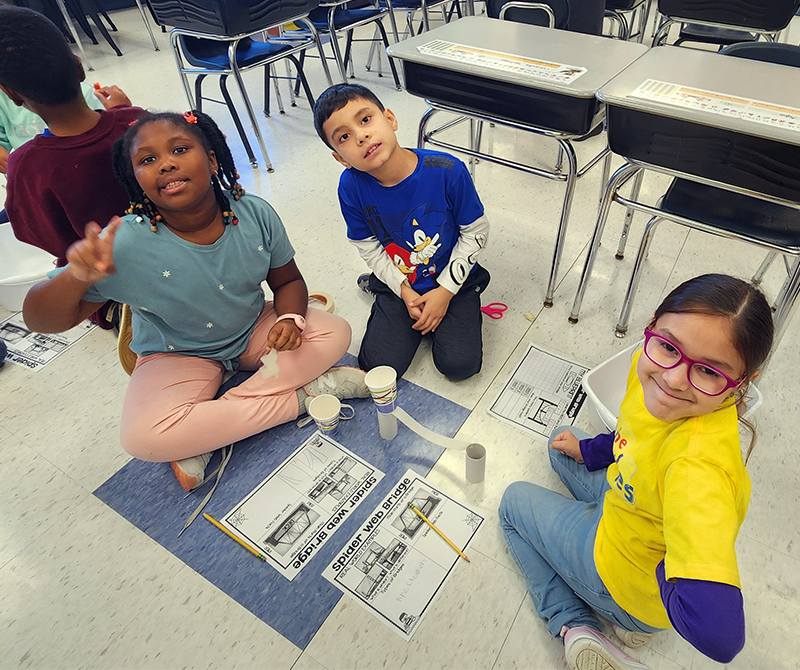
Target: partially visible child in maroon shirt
{"x":61,"y":179}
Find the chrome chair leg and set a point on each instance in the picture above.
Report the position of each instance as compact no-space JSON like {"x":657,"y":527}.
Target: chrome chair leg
{"x":274,"y":73}
{"x":147,"y":24}
{"x":626,"y":226}
{"x":315,"y":35}
{"x":781,"y":317}
{"x":622,"y":175}
{"x":621,"y":329}
{"x":572,"y":175}
{"x":758,"y":277}
{"x":247,"y":105}
{"x":559,"y":159}
{"x":606,"y":174}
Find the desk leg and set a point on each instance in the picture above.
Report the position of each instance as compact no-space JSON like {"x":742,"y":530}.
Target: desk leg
{"x":423,"y":122}
{"x":469,"y":8}
{"x":626,"y":227}
{"x":621,"y":329}
{"x":621,"y":176}
{"x":572,"y":172}
{"x":781,"y":317}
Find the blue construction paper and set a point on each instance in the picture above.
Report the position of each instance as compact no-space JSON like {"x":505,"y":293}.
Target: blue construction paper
{"x":149,"y":496}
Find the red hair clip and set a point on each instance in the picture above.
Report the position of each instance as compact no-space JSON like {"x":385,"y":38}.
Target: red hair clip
{"x":190,"y":117}
{"x":133,"y":123}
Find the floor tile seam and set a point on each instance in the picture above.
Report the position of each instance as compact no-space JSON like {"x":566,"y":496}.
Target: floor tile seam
{"x":752,"y":538}
{"x":72,"y":480}
{"x":304,"y":652}
{"x":510,"y":628}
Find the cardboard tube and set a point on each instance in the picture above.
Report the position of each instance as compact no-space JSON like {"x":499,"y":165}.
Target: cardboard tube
{"x":387,"y":425}
{"x":476,"y":463}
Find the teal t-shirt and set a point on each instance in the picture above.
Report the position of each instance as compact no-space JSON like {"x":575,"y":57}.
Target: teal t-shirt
{"x":18,"y":124}
{"x":197,"y":300}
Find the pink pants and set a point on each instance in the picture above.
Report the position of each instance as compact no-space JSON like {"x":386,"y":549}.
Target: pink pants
{"x":170,"y":413}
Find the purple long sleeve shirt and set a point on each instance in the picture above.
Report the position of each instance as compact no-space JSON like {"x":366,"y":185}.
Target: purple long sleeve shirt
{"x":708,"y":615}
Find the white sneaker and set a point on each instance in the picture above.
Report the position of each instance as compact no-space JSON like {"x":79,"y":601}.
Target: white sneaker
{"x":342,"y":382}
{"x":190,"y":471}
{"x":631,"y":638}
{"x":588,"y":649}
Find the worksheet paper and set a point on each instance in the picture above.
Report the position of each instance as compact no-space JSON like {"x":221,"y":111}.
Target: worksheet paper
{"x":543,"y":393}
{"x":295,"y":510}
{"x":35,"y":350}
{"x":396,"y":564}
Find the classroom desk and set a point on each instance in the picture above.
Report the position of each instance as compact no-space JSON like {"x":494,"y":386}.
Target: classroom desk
{"x":727,"y":122}
{"x":527,"y":77}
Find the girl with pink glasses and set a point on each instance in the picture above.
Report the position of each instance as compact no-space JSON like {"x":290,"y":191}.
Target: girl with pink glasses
{"x":649,"y":540}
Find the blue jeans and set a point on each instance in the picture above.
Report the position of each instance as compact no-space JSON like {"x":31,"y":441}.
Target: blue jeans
{"x":551,"y":537}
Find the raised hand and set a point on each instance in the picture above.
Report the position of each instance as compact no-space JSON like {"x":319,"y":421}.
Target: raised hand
{"x":92,"y":258}
{"x":112,"y":96}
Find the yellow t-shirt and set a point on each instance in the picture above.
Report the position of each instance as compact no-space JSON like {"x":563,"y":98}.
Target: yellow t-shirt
{"x":679,"y":492}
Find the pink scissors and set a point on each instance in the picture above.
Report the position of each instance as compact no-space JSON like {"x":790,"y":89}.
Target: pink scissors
{"x":494,"y":310}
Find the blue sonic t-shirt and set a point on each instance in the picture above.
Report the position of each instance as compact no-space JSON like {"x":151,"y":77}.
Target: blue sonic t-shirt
{"x":198,"y":300}
{"x":416,"y":221}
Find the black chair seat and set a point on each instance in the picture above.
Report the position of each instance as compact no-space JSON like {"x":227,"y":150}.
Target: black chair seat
{"x":733,"y":212}
{"x":694,"y":32}
{"x":213,"y":54}
{"x":623,"y":5}
{"x":767,"y":52}
{"x":343,"y":18}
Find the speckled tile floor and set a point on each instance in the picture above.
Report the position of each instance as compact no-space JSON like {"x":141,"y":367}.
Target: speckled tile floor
{"x":80,"y":587}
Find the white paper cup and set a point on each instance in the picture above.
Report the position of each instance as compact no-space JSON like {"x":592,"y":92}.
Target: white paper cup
{"x":325,"y":410}
{"x":476,"y":463}
{"x":382,"y":384}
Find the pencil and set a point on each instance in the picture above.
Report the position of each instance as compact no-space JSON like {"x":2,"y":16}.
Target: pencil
{"x":253,"y":551}
{"x":441,"y":534}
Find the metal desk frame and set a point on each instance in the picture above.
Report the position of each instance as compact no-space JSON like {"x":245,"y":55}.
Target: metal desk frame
{"x":565,"y":146}
{"x":634,"y":168}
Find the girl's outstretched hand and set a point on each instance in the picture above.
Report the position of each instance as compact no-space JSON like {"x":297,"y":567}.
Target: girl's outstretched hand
{"x":567,"y":444}
{"x":284,"y":336}
{"x":92,"y":258}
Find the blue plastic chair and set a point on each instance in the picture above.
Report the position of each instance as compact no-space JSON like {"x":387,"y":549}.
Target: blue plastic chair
{"x":214,"y":37}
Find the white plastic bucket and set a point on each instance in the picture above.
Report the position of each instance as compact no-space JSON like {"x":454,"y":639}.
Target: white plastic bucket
{"x":21,"y":266}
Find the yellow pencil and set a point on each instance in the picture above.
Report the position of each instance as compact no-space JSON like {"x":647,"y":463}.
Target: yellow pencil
{"x":441,"y":534}
{"x":253,"y":551}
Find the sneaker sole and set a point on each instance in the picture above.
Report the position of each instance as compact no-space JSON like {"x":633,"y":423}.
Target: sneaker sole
{"x":594,"y":656}
{"x":187,"y":482}
{"x":632,"y":639}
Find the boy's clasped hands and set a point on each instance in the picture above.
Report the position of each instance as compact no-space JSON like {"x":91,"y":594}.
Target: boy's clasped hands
{"x":428,"y":309}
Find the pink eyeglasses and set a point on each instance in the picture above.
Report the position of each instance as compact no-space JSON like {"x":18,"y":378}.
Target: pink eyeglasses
{"x":702,"y":376}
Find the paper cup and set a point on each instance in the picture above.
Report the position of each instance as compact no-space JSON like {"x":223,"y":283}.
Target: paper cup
{"x":382,"y":384}
{"x":476,"y":463}
{"x":325,"y":409}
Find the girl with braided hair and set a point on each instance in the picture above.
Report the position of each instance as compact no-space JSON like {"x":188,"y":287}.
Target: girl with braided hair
{"x":189,"y":259}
